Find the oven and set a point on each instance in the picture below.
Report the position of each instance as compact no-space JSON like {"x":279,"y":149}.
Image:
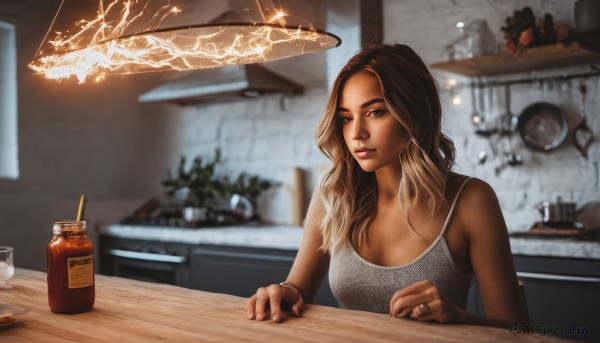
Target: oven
{"x":151,"y":261}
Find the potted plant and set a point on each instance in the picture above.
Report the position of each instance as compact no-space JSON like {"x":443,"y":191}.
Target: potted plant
{"x":198,"y":187}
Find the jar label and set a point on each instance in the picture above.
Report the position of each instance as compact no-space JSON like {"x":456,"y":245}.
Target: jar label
{"x":81,"y":271}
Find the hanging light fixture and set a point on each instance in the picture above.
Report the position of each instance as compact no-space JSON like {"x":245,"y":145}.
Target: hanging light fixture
{"x":133,"y":36}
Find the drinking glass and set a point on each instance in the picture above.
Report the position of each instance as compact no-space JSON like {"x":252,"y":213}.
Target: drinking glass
{"x":7,"y":268}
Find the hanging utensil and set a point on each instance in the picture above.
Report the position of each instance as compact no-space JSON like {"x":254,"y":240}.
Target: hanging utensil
{"x":491,"y":104}
{"x":508,"y":123}
{"x":508,"y":126}
{"x":481,"y":100}
{"x":476,"y":117}
{"x":514,"y":158}
{"x":487,"y":111}
{"x":514,"y":119}
{"x":542,"y":126}
{"x":583,"y":136}
{"x":482,"y":157}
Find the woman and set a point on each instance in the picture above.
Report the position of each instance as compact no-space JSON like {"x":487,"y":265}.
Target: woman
{"x":399,"y":231}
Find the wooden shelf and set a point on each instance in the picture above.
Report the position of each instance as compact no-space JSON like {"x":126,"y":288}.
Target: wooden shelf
{"x":544,"y":57}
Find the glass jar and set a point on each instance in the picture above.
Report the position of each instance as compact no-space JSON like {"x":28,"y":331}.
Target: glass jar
{"x":70,"y":268}
{"x":481,"y":40}
{"x":476,"y":40}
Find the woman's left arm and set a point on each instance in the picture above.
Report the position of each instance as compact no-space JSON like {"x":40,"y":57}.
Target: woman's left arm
{"x":480,"y":217}
{"x":491,"y":259}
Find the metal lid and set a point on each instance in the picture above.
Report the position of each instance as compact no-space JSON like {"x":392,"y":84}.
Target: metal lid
{"x":69,"y":227}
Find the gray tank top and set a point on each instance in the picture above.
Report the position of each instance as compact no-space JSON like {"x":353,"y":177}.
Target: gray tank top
{"x":361,"y":285}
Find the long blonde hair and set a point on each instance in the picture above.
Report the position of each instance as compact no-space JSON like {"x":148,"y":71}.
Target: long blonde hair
{"x":411,"y":94}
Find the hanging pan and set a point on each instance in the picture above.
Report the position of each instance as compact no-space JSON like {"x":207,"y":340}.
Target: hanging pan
{"x":542,"y":127}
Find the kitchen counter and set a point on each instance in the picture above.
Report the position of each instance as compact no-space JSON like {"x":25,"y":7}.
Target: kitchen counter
{"x":133,"y":311}
{"x":289,"y":237}
{"x":555,"y":247}
{"x":269,"y":237}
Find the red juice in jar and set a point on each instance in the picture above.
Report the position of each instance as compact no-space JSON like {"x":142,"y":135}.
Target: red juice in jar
{"x":71,"y":287}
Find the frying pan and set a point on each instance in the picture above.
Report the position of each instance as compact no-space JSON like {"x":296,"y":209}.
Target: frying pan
{"x":542,"y":127}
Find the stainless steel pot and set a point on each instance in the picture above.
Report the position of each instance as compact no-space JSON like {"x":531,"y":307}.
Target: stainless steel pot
{"x":558,"y":213}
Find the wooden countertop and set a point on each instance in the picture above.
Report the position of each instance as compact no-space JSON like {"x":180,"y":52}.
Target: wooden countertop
{"x":133,"y":311}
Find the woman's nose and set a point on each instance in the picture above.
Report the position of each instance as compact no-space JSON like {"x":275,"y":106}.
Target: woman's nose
{"x":358,"y":130}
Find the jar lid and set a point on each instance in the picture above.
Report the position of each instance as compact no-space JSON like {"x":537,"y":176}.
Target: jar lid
{"x":69,"y":227}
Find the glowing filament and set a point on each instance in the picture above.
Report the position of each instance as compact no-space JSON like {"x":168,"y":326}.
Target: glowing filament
{"x":103,"y":47}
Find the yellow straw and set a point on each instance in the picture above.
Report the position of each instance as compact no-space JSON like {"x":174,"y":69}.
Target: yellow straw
{"x":81,"y":209}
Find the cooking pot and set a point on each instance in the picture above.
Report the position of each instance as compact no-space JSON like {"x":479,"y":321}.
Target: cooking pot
{"x":558,"y":214}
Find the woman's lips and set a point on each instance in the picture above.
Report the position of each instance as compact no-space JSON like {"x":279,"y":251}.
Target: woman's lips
{"x":363,"y":153}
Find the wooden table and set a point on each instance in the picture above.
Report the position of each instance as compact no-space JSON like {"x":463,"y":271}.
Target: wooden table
{"x":133,"y":311}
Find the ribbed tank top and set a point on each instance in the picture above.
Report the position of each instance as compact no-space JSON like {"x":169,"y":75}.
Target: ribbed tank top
{"x":359,"y":284}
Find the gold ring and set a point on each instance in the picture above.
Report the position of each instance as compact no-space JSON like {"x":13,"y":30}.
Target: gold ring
{"x":424,"y":309}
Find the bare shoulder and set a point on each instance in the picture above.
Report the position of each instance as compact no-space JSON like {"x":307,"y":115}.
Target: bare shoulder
{"x":478,"y":208}
{"x":474,"y":189}
{"x":478,"y":193}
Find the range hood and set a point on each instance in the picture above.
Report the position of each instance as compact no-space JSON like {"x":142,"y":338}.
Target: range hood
{"x":356,"y":21}
{"x":249,"y":80}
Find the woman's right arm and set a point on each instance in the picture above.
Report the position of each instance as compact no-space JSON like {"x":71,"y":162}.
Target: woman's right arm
{"x":306,"y":275}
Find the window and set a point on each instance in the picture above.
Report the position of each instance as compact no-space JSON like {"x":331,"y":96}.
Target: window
{"x":9,"y":160}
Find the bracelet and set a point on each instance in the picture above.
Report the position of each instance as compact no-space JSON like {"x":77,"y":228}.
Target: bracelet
{"x":291,"y":285}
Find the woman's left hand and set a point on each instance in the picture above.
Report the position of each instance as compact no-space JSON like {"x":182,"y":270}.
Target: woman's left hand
{"x":424,"y":301}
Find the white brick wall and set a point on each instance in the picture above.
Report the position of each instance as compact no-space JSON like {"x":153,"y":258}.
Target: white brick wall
{"x":269,"y":137}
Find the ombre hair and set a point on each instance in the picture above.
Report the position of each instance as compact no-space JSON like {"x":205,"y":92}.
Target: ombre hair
{"x":411,"y":95}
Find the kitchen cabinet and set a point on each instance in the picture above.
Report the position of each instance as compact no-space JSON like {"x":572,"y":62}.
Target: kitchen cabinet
{"x":526,"y":60}
{"x":151,"y":261}
{"x":214,"y":268}
{"x":561,"y":293}
{"x":241,"y":271}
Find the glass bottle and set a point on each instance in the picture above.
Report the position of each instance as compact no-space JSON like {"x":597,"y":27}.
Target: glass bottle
{"x":71,"y":287}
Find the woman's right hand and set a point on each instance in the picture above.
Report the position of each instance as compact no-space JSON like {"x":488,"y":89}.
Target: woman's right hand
{"x":267,"y":302}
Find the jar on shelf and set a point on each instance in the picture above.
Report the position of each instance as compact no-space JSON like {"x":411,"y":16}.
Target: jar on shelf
{"x":477,"y":40}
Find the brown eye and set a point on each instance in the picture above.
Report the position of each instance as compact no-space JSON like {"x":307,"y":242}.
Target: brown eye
{"x":375,"y":113}
{"x":345,"y":119}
